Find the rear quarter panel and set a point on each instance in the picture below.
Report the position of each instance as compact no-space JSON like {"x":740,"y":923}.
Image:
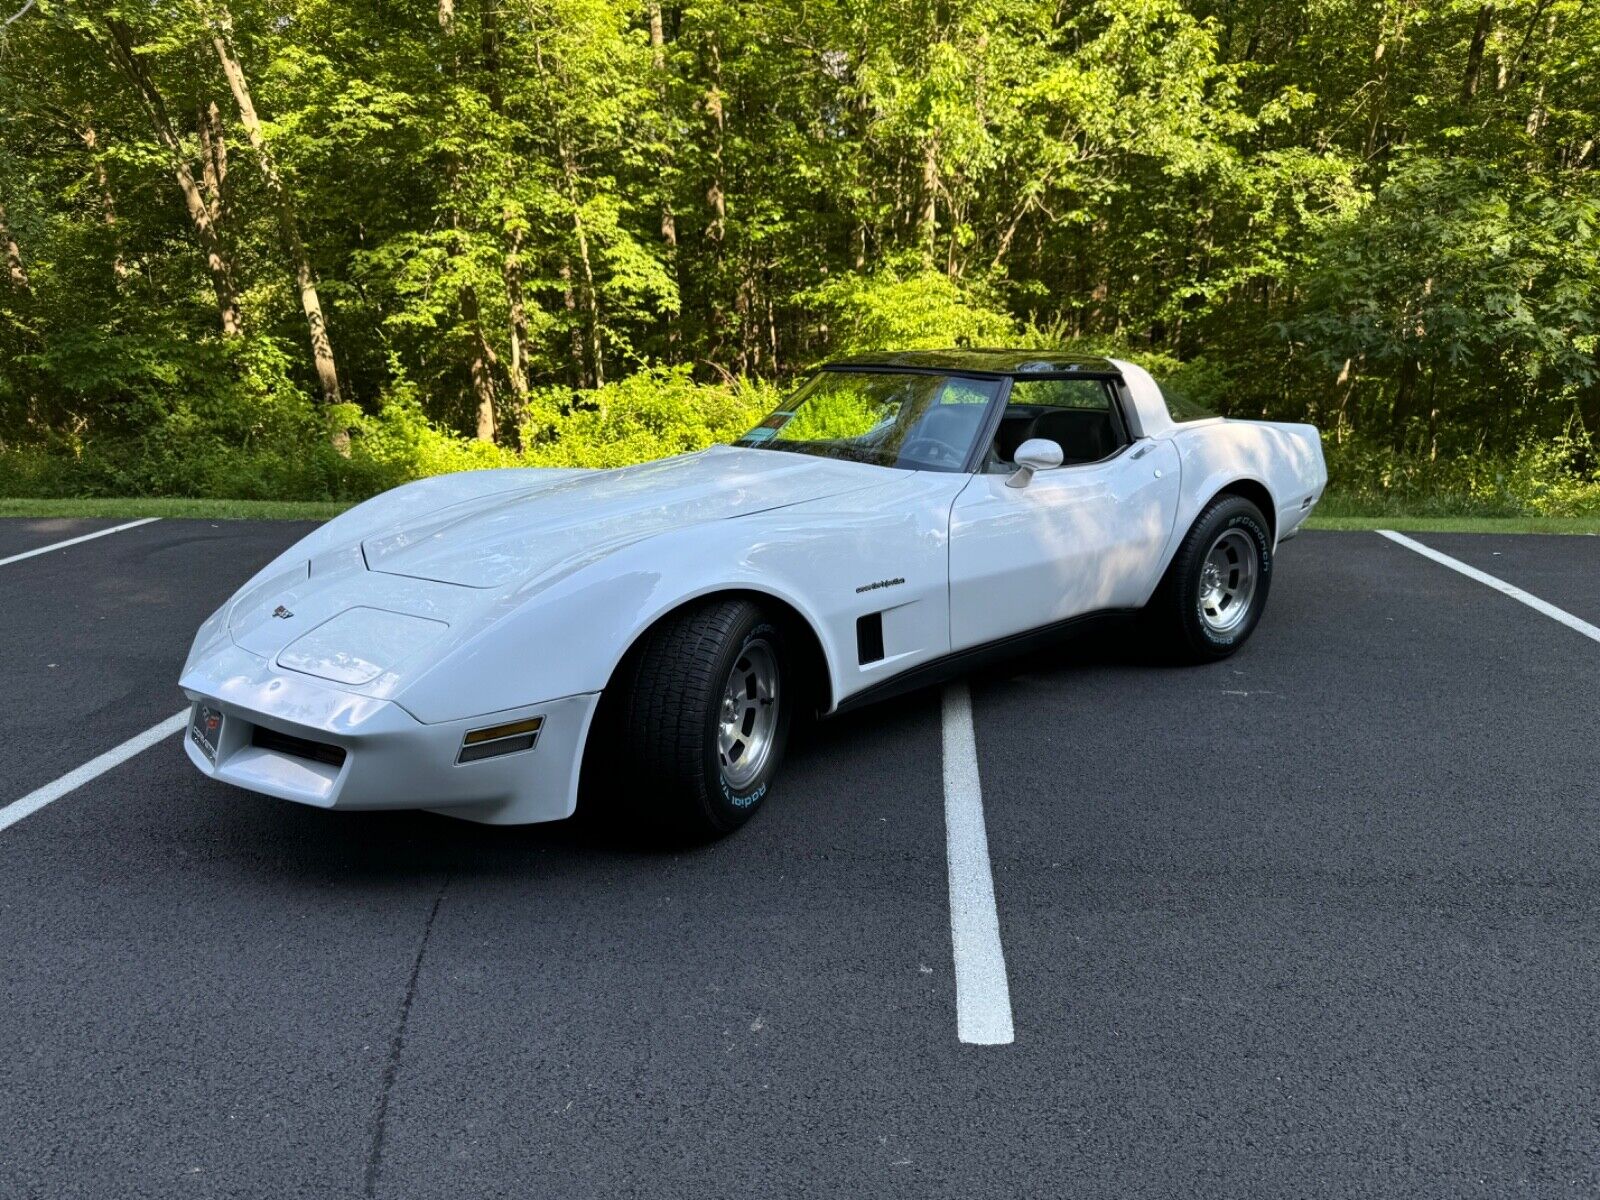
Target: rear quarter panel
{"x":1286,"y":459}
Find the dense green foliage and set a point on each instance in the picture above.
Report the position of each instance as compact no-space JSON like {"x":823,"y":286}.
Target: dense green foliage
{"x":272,"y":248}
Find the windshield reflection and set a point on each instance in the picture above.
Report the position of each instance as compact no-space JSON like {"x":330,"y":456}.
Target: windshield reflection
{"x":918,"y":422}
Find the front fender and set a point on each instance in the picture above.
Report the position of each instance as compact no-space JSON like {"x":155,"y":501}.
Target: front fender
{"x":569,"y":638}
{"x":879,"y":550}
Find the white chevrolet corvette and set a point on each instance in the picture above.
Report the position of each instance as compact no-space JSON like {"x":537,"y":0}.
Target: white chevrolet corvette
{"x":475,"y":643}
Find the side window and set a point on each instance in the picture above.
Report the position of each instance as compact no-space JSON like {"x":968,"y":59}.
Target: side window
{"x":1092,"y":394}
{"x":1181,"y":405}
{"x":1076,"y":414}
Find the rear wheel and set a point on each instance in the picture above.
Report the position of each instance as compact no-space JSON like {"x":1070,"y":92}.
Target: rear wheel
{"x":704,"y":717}
{"x":1213,"y":594}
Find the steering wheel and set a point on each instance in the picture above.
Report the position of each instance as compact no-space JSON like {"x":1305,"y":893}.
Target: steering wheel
{"x":932,"y":450}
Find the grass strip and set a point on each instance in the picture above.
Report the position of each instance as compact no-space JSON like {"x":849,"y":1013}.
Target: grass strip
{"x":320,"y":510}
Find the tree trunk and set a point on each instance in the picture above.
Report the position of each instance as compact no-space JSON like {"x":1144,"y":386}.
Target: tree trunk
{"x":1346,"y":384}
{"x":716,"y":207}
{"x":108,"y":206}
{"x":1589,"y":408}
{"x":1404,"y":401}
{"x":1536,"y":115}
{"x":569,"y":301}
{"x":120,"y":49}
{"x":213,"y":156}
{"x":665,"y":173}
{"x":716,"y":199}
{"x":517,"y":368}
{"x":512,"y":227}
{"x":591,"y":301}
{"x":658,"y":37}
{"x":1381,"y":60}
{"x":482,"y":365}
{"x":1009,"y":234}
{"x":1480,"y":38}
{"x":483,"y":359}
{"x":489,"y":53}
{"x":16,"y":274}
{"x":927,"y":222}
{"x":772,"y":334}
{"x":288,"y":225}
{"x":658,"y":62}
{"x":1433,"y":413}
{"x":742,"y":305}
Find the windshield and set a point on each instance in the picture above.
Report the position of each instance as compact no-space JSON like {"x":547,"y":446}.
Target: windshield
{"x":918,"y":422}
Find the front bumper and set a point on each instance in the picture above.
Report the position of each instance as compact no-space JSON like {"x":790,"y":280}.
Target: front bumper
{"x":390,"y":759}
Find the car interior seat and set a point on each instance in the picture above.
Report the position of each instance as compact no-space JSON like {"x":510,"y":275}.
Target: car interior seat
{"x":953,"y":425}
{"x":1085,"y":435}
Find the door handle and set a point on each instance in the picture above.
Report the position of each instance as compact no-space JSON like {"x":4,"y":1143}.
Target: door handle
{"x":1141,"y":451}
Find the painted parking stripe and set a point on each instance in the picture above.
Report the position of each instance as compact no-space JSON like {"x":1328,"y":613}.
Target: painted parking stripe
{"x":93,"y":769}
{"x":88,"y":537}
{"x":983,"y":997}
{"x":1500,"y":585}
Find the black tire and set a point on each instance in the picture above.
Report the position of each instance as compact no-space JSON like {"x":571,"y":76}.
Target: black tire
{"x":669,"y":715}
{"x":1177,"y":615}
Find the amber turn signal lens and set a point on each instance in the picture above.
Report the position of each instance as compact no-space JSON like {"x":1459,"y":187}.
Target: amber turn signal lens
{"x":531,"y":725}
{"x":500,"y":739}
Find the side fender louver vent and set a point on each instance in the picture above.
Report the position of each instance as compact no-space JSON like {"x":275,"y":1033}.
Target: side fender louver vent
{"x":869,"y":638}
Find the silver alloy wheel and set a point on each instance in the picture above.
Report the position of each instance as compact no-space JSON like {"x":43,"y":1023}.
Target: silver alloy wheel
{"x":1228,"y":580}
{"x":748,"y":715}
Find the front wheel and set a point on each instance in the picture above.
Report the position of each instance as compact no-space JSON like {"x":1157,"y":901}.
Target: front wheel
{"x":1213,"y":593}
{"x":704,"y":717}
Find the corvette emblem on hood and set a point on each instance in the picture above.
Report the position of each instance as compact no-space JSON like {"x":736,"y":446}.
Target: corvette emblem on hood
{"x":282,"y":612}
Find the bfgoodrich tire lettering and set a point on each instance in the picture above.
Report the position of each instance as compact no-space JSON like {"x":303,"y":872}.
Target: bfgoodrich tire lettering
{"x":1214,"y":591}
{"x":704,"y":717}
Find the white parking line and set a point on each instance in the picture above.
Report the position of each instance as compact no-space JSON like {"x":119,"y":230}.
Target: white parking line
{"x":93,"y":769}
{"x":88,"y":537}
{"x":983,"y":998}
{"x":1499,"y":585}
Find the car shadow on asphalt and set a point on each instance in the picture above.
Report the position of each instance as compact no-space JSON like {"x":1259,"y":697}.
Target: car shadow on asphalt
{"x":394,"y":845}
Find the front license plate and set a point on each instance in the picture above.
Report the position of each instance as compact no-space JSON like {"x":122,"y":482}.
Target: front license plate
{"x":205,"y":728}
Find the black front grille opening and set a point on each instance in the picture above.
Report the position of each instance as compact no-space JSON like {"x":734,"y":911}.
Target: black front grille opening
{"x":297,"y":747}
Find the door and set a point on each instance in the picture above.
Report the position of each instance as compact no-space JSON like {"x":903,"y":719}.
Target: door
{"x":1076,"y":539}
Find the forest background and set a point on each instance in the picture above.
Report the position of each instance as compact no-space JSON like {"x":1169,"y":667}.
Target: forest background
{"x":309,"y":249}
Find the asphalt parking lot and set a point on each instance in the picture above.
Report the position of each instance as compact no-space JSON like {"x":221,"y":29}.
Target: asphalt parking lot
{"x":1321,"y":920}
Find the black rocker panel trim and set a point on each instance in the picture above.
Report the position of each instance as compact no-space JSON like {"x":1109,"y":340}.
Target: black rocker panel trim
{"x":959,"y":662}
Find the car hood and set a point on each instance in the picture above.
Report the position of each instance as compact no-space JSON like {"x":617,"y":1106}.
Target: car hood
{"x":511,"y":536}
{"x":375,"y":612}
